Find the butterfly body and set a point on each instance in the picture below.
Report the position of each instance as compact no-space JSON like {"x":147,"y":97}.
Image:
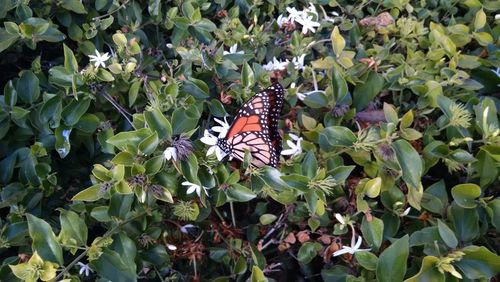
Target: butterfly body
{"x":255,"y":128}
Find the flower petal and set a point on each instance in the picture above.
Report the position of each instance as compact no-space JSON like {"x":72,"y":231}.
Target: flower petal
{"x":344,"y":250}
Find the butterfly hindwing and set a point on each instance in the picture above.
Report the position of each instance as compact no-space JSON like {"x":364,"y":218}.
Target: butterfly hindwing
{"x":255,"y":128}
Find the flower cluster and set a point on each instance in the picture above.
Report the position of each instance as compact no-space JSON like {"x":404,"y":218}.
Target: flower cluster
{"x":212,"y":140}
{"x":278,"y":65}
{"x":307,"y":18}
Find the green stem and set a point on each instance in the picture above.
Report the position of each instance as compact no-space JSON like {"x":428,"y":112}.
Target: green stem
{"x":233,"y":218}
{"x":106,"y":235}
{"x":112,"y":12}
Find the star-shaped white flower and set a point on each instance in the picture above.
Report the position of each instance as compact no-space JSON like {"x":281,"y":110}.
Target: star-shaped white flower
{"x":84,"y":268}
{"x":295,"y":148}
{"x":99,"y":59}
{"x":233,"y":50}
{"x":354,"y":248}
{"x":193,"y":187}
{"x":223,"y":128}
{"x":294,"y":14}
{"x":275,"y":64}
{"x":308,"y":24}
{"x":170,"y":153}
{"x":211,"y":140}
{"x":298,"y":62}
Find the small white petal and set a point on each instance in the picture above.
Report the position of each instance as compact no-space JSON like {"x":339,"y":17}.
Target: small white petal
{"x":171,"y":247}
{"x":291,"y":144}
{"x":187,"y":183}
{"x":342,"y":251}
{"x":288,"y":152}
{"x":192,"y":189}
{"x":340,"y":218}
{"x":358,"y":243}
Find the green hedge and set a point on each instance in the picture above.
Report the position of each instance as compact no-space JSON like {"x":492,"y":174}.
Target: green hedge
{"x":390,"y":129}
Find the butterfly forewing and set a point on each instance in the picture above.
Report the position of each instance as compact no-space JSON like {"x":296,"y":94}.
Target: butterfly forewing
{"x":255,"y":128}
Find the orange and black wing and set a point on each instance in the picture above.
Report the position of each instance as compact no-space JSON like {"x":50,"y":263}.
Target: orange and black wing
{"x":255,"y":128}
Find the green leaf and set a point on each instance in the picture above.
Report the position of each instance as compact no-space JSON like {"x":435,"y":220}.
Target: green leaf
{"x":373,"y":231}
{"x":257,"y":275}
{"x":196,"y":88}
{"x":390,"y":114}
{"x":479,"y":20}
{"x":74,"y":110}
{"x":391,"y":264}
{"x":309,"y":165}
{"x":338,"y":42}
{"x":28,"y":88}
{"x":428,"y":271}
{"x":367,"y":260}
{"x":367,"y":90}
{"x":125,"y":139}
{"x":267,"y":218}
{"x":308,"y":251}
{"x":465,"y":195}
{"x":7,"y":39}
{"x":74,"y":5}
{"x":90,"y":194}
{"x":316,"y":100}
{"x":62,"y":145}
{"x":465,"y":222}
{"x":410,"y":162}
{"x":339,"y":85}
{"x":44,"y":239}
{"x":111,"y":266}
{"x":239,"y":193}
{"x":372,"y":187}
{"x":336,"y":136}
{"x":247,"y":76}
{"x":70,"y":62}
{"x":479,"y":263}
{"x":158,"y":123}
{"x":447,"y":235}
{"x":73,"y":228}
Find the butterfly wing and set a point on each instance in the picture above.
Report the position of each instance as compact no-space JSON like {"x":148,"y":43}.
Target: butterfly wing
{"x":255,"y":128}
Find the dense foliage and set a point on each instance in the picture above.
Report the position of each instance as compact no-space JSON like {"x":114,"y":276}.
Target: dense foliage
{"x":391,"y":133}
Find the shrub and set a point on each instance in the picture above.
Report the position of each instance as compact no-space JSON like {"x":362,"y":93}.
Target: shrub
{"x":391,"y":133}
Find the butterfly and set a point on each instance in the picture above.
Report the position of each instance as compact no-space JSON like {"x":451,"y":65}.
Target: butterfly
{"x":255,"y":128}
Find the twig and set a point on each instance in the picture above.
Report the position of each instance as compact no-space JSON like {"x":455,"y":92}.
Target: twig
{"x":118,"y":107}
{"x":112,"y":12}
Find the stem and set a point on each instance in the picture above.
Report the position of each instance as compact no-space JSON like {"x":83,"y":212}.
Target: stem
{"x":314,"y":80}
{"x":106,"y":235}
{"x":112,"y":12}
{"x":233,"y":218}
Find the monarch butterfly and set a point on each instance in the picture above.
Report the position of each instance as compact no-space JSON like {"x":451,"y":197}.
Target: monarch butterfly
{"x":255,"y":128}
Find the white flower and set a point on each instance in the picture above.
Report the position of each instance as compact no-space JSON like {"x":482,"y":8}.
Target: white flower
{"x":308,"y":24}
{"x":184,"y":228}
{"x":193,"y":187}
{"x":295,"y":148}
{"x":171,"y":247}
{"x":233,"y":50}
{"x":354,"y":248}
{"x":298,"y":62}
{"x":282,"y":20}
{"x":497,"y":17}
{"x":99,"y":59}
{"x":294,"y":14}
{"x":84,"y":268}
{"x":340,"y":218}
{"x":335,"y":14}
{"x":212,"y":141}
{"x":223,"y":128}
{"x":170,"y":153}
{"x":275,"y":64}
